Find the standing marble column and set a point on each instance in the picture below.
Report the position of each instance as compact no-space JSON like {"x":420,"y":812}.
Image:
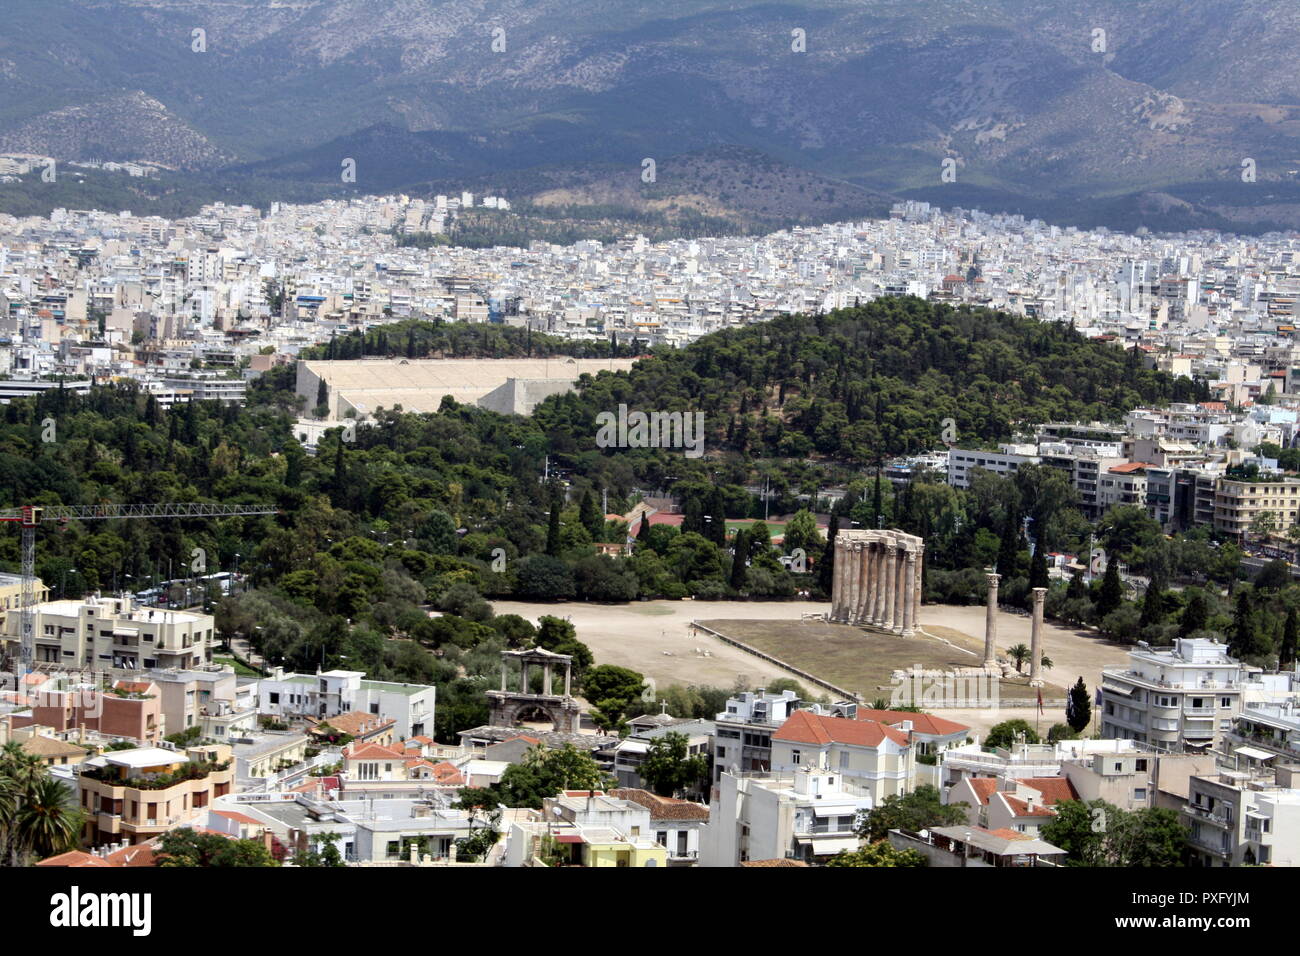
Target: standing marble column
{"x":864,"y":583}
{"x":900,"y":581}
{"x":918,"y":587}
{"x":891,"y":584}
{"x":1036,"y":639}
{"x":855,"y":582}
{"x":873,"y":581}
{"x":991,"y":622}
{"x":841,"y":575}
{"x":909,"y":593}
{"x":882,"y":582}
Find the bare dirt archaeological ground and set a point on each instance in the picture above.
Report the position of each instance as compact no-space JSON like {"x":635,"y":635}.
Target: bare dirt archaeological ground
{"x":656,"y":639}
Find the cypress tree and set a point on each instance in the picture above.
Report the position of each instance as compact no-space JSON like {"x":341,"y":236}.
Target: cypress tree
{"x":590,"y":517}
{"x":1038,"y":577}
{"x":826,"y":567}
{"x":553,"y":526}
{"x":738,"y":576}
{"x":1290,"y":639}
{"x":1009,"y":551}
{"x":1112,"y":592}
{"x":1078,"y":707}
{"x":1195,"y":616}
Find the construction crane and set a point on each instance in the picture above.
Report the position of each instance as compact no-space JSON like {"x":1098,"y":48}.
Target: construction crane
{"x":28,"y":517}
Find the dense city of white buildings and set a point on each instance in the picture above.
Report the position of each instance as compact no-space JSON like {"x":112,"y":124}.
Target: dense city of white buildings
{"x":229,"y":282}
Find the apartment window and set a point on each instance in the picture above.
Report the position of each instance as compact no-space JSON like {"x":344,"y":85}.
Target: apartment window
{"x":374,"y":708}
{"x":1140,"y":765}
{"x":275,"y":698}
{"x":1225,"y":702}
{"x":1139,"y":794}
{"x":722,"y":752}
{"x":794,"y":756}
{"x":844,"y":760}
{"x":661,"y":837}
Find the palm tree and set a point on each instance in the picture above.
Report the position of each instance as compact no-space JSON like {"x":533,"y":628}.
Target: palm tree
{"x":1019,"y":653}
{"x":1045,"y":662}
{"x":49,"y":822}
{"x":37,"y":817}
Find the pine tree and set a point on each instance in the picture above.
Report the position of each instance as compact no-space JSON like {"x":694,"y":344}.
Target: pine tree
{"x":1078,"y":707}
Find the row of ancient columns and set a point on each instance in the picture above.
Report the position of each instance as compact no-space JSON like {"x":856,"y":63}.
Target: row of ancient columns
{"x":1035,"y":631}
{"x":877,"y":580}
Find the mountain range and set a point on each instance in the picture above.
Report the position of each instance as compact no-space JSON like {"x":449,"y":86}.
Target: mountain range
{"x":1115,"y":112}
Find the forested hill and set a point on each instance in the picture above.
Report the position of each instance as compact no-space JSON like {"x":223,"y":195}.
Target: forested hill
{"x":414,"y":338}
{"x":861,"y":384}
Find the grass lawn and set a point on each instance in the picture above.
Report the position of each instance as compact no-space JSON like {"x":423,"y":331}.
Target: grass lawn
{"x":860,"y":660}
{"x":242,"y":670}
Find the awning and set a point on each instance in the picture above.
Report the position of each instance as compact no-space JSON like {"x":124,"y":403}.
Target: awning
{"x":569,"y":838}
{"x":1254,"y":753}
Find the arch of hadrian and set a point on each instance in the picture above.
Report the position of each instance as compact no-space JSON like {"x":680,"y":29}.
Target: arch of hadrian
{"x":877,"y":580}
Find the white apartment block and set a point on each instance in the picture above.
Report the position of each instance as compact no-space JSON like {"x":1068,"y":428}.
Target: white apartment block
{"x":962,"y":462}
{"x":100,"y":632}
{"x":409,"y":706}
{"x":1177,"y":699}
{"x":809,"y":814}
{"x":1245,"y":817}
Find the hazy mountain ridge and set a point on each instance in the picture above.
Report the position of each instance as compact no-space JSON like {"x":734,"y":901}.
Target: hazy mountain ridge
{"x":1011,"y":89}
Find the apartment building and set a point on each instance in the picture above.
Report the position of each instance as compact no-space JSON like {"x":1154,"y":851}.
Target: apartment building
{"x":1245,"y":817}
{"x":11,"y":595}
{"x":1006,"y":461}
{"x":1136,"y":778}
{"x":329,"y":694}
{"x":190,"y":697}
{"x":676,"y":824}
{"x":1239,"y":503}
{"x":1124,"y":484}
{"x":810,"y":814}
{"x":104,"y":632}
{"x":630,"y":752}
{"x":1182,"y":698}
{"x":1021,"y":804}
{"x":743,"y":737}
{"x":130,"y":710}
{"x":135,"y":795}
{"x":874,"y":756}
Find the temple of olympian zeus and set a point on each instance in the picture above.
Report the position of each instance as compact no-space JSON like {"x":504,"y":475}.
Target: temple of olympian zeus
{"x":877,"y":580}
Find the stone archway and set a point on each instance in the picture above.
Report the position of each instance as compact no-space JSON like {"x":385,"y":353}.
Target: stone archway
{"x":508,"y":708}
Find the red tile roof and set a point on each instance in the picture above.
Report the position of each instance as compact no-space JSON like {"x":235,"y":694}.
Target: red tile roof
{"x":984,"y":788}
{"x":1052,"y":788}
{"x":921,"y":723}
{"x":1022,"y":809}
{"x":805,"y":727}
{"x":368,"y":751}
